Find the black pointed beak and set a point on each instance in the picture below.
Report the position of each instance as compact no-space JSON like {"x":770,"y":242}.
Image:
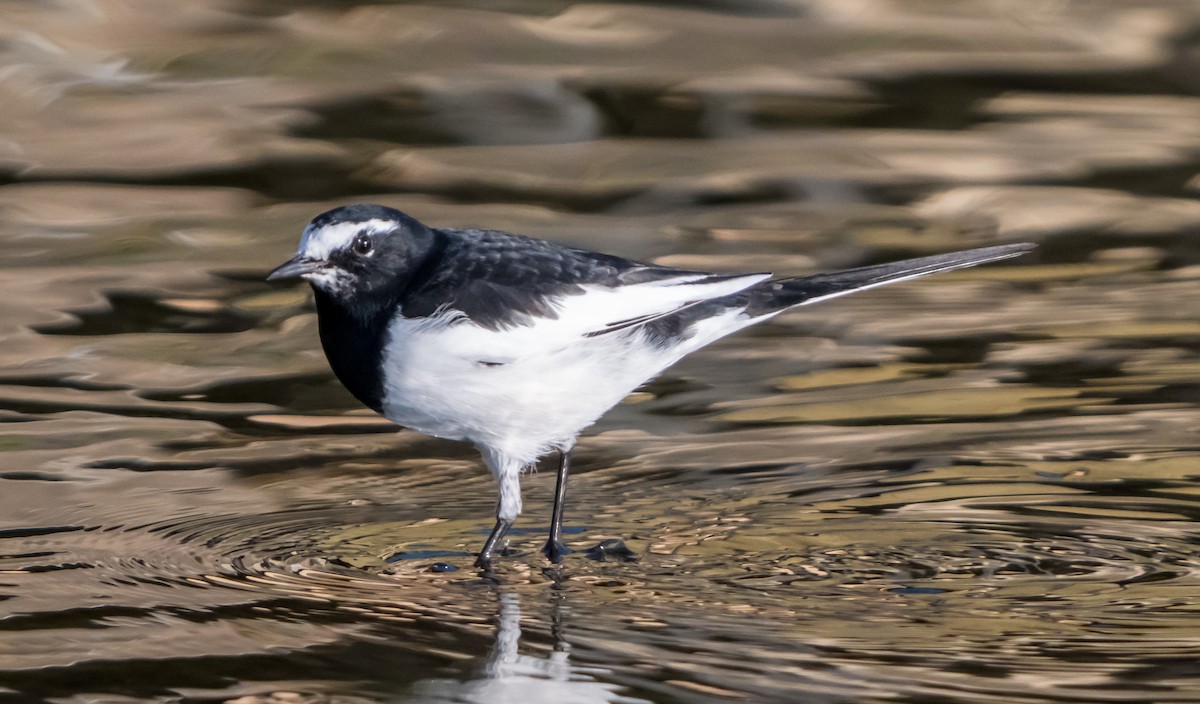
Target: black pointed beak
{"x":295,"y":267}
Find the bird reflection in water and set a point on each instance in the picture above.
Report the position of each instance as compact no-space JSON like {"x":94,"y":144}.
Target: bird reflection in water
{"x":510,"y":677}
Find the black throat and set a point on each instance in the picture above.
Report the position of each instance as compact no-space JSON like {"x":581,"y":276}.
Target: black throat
{"x":354,"y":348}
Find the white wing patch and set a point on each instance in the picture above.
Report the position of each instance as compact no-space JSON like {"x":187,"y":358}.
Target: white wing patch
{"x":600,"y":309}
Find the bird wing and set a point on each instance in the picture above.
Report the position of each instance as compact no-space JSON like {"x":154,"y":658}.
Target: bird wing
{"x":505,"y":282}
{"x":601,"y":310}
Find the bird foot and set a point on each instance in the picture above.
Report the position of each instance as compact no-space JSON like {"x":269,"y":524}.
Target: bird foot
{"x":555,"y":550}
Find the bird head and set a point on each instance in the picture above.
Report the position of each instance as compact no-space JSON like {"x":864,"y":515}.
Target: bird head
{"x":359,"y":255}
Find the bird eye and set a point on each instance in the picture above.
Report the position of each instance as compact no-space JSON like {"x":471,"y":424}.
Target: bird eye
{"x":361,"y":245}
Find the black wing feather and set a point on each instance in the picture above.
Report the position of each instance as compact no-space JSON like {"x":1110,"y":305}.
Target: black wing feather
{"x":500,"y":280}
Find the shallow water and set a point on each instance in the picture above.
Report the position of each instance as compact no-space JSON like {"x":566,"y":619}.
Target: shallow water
{"x":976,"y":487}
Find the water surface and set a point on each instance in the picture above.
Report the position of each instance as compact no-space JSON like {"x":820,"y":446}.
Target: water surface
{"x":978,"y":487}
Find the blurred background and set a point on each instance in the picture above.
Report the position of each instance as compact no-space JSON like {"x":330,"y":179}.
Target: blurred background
{"x":978,"y":487}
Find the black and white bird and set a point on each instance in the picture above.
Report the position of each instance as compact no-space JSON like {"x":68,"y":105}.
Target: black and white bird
{"x":517,"y":344}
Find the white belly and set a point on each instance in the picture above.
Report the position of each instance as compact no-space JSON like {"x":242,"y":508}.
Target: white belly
{"x":463,"y":382}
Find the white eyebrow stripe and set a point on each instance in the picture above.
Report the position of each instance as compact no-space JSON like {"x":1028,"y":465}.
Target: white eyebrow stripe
{"x":319,"y":243}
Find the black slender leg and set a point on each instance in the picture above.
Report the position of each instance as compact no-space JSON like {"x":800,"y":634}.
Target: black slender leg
{"x":555,"y":549}
{"x":489,"y":548}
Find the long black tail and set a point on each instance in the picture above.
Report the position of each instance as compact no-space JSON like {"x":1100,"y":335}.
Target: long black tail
{"x":771,"y":296}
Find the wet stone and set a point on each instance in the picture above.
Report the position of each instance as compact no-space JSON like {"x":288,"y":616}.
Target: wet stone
{"x":611,"y":549}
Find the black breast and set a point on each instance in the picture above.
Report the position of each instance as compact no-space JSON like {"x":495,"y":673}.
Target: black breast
{"x":354,"y":349}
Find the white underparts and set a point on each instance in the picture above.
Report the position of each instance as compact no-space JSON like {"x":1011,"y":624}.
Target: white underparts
{"x":522,"y":392}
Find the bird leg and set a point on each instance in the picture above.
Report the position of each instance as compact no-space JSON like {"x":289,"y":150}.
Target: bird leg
{"x":555,"y":549}
{"x":489,"y":548}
